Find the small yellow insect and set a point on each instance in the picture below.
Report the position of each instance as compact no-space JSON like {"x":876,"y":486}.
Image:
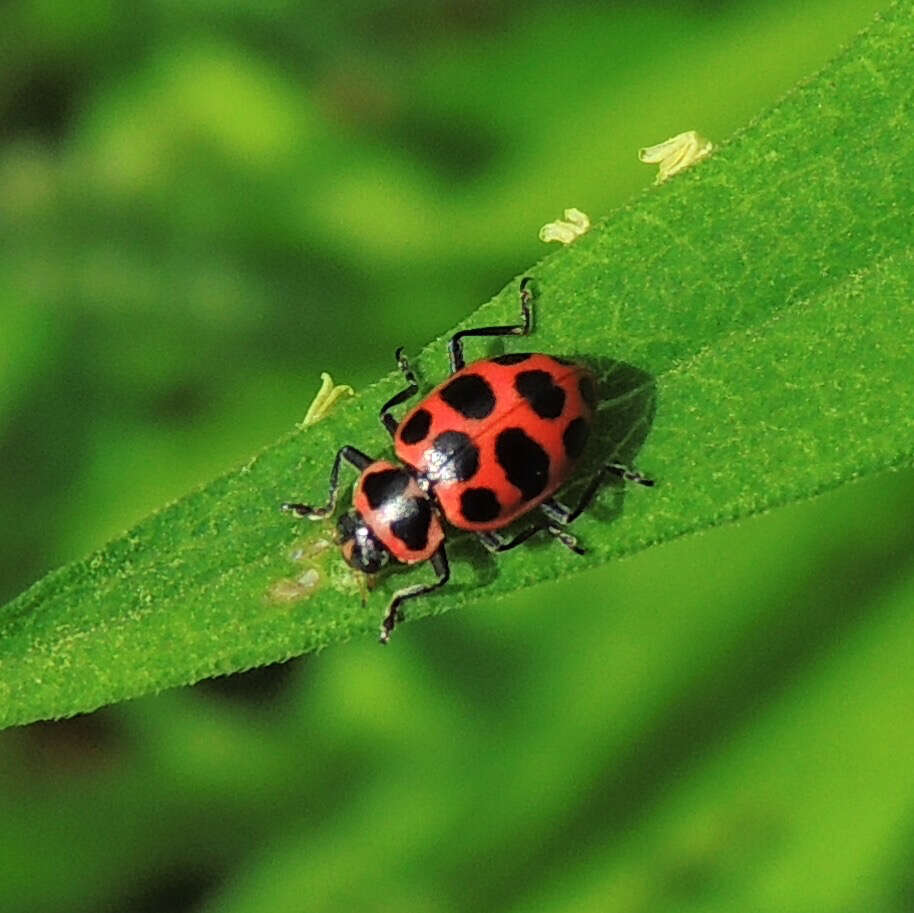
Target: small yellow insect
{"x":325,"y":400}
{"x":676,"y":154}
{"x":573,"y":226}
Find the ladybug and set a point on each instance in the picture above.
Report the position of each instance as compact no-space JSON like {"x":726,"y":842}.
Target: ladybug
{"x":488,"y":445}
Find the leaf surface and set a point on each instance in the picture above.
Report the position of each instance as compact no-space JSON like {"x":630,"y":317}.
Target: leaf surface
{"x":752,"y":324}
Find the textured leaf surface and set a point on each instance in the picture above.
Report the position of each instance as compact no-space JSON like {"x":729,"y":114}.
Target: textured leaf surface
{"x":762,"y":304}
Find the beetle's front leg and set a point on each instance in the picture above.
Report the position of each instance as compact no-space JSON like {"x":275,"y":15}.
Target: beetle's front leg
{"x":358,"y":459}
{"x":439,"y":563}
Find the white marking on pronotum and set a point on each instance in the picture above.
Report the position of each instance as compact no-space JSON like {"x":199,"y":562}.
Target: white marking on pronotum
{"x":574,"y":224}
{"x":676,"y":154}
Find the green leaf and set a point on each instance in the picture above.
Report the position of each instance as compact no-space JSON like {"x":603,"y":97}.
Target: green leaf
{"x":762,"y":304}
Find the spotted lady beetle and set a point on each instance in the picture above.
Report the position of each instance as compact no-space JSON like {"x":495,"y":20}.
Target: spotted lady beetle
{"x":489,"y":444}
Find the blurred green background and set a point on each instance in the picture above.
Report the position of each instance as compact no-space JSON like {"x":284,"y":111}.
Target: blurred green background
{"x":203,"y":204}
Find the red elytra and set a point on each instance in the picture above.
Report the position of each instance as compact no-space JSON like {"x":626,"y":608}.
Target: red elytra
{"x":522,"y":420}
{"x":489,"y":444}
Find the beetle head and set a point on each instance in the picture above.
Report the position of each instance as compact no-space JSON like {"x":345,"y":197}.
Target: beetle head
{"x":362,"y":550}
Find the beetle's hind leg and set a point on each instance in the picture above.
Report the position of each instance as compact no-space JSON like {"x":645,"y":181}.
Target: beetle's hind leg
{"x":563,"y":515}
{"x":495,"y":543}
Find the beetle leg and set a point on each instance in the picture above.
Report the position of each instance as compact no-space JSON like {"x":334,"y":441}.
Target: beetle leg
{"x":562,"y":514}
{"x":455,"y":346}
{"x":495,"y":543}
{"x":627,"y":474}
{"x":358,"y":459}
{"x":394,"y":615}
{"x":567,"y":539}
{"x":412,"y":388}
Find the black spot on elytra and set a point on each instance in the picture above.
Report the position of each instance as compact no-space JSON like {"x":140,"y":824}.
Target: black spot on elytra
{"x":588,"y":391}
{"x":545,"y":397}
{"x":479,"y":505}
{"x":512,"y":358}
{"x":470,"y":395}
{"x":383,"y":485}
{"x":455,"y":458}
{"x":417,"y":427}
{"x":412,"y":526}
{"x":524,"y":461}
{"x":575,"y":437}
